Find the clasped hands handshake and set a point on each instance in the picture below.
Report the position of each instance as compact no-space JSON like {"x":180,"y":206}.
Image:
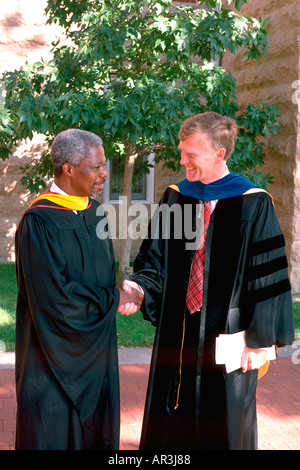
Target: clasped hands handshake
{"x":131,"y":297}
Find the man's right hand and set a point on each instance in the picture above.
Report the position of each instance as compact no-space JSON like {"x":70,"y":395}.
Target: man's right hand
{"x":130,"y":299}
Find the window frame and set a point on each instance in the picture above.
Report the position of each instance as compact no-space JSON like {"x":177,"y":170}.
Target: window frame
{"x":150,"y":180}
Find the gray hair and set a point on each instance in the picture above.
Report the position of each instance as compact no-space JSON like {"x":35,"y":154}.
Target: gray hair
{"x":72,"y":146}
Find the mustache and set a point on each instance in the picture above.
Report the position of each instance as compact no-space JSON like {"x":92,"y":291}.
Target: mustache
{"x":99,"y":182}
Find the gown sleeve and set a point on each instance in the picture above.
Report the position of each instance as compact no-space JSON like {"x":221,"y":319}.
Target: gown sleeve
{"x":151,"y":263}
{"x":72,"y":322}
{"x":269,"y":299}
{"x":149,"y":274}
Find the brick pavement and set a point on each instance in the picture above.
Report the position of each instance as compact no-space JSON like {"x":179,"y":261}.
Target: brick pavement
{"x":8,"y":408}
{"x":278,"y":404}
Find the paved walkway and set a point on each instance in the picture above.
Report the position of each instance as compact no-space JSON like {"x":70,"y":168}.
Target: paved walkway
{"x":278,"y":400}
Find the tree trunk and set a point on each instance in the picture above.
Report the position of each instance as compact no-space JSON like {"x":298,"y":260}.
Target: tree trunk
{"x":124,"y":260}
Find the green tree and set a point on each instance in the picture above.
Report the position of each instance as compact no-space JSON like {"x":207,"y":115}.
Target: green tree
{"x":132,"y":71}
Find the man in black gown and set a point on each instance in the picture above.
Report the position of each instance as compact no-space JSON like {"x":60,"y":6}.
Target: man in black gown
{"x":193,"y":402}
{"x":67,"y":379}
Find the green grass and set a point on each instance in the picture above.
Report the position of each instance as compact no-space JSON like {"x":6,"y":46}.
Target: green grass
{"x":8,"y":294}
{"x":132,"y":330}
{"x":296,"y":310}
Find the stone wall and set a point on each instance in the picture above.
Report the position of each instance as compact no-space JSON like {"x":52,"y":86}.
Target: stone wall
{"x":24,"y":36}
{"x":273,"y":80}
{"x":14,"y":198}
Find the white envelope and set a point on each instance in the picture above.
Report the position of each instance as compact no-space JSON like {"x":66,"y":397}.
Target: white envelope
{"x":229,"y":350}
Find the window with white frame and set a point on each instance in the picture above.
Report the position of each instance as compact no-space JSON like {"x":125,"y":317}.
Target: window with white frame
{"x":142,"y":187}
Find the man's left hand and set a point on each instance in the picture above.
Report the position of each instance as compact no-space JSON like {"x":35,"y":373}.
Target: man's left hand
{"x":253,"y":359}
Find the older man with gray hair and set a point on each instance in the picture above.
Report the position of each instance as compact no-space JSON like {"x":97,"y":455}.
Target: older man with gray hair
{"x":67,"y":378}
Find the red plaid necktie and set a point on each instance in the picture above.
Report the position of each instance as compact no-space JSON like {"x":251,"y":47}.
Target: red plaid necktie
{"x":195,"y":287}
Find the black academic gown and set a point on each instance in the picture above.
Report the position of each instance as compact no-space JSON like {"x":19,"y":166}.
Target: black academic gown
{"x":192,"y":403}
{"x":67,"y":380}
